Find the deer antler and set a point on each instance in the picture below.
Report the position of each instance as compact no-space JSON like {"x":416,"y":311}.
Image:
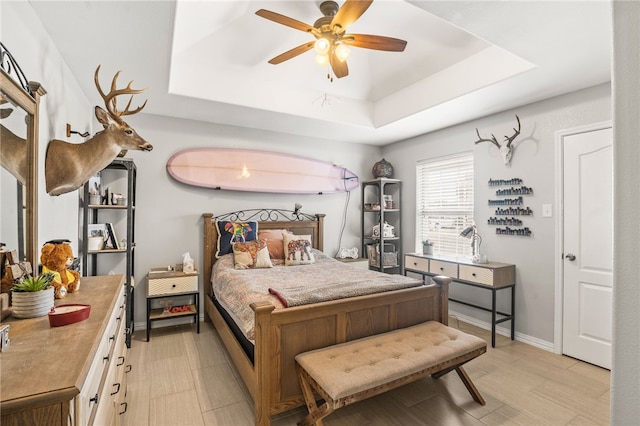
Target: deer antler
{"x":110,"y":98}
{"x":505,"y":150}
{"x":492,"y":140}
{"x":515,"y":134}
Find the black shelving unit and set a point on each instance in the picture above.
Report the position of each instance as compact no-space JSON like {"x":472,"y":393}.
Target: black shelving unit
{"x":383,"y":251}
{"x":92,"y":213}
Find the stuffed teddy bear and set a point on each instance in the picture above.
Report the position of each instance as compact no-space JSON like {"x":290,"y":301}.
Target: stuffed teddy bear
{"x":56,"y":256}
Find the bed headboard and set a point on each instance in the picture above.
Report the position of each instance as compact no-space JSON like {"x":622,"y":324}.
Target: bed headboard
{"x":296,"y":222}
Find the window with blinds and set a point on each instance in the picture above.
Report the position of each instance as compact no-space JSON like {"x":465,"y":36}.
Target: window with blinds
{"x":444,"y":202}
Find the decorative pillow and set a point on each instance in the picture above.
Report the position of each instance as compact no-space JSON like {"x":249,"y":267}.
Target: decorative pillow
{"x":229,"y":232}
{"x":273,"y":237}
{"x":297,"y":249}
{"x":252,"y":254}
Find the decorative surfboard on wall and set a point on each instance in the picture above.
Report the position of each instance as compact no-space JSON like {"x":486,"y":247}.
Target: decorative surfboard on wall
{"x":258,"y":171}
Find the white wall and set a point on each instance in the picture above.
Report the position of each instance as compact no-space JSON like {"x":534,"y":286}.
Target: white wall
{"x":168,"y":213}
{"x":23,"y":34}
{"x":625,"y":378}
{"x":533,"y":161}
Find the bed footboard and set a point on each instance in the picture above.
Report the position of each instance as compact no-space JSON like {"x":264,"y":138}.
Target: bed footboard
{"x":282,"y":334}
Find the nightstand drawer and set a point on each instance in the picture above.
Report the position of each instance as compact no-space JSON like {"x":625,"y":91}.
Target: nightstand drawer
{"x":172,"y":285}
{"x":443,"y":268}
{"x":476,"y":274}
{"x":416,"y":263}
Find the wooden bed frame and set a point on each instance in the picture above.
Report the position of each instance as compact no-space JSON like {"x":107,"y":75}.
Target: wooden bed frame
{"x":282,"y":334}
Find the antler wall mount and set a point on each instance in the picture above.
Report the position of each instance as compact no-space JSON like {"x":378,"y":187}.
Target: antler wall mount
{"x":332,"y":41}
{"x":69,"y":165}
{"x":506,"y":150}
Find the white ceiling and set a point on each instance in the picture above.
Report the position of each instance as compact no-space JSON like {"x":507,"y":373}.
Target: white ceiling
{"x":207,"y":60}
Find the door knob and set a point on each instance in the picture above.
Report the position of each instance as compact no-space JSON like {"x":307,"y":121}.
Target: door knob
{"x":571,"y":257}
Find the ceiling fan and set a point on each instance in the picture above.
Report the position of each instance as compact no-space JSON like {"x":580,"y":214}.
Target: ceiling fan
{"x":332,"y":41}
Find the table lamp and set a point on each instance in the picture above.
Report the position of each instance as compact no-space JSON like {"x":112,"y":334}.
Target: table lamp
{"x":476,"y":241}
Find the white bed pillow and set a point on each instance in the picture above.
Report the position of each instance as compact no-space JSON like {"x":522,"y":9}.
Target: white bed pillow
{"x":297,"y":249}
{"x":251,"y":254}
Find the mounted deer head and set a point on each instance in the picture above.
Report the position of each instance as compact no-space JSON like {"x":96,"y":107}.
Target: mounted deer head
{"x":13,"y":149}
{"x":505,"y":150}
{"x":68,"y":166}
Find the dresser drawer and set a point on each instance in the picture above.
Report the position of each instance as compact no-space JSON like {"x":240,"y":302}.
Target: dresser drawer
{"x":439,"y":267}
{"x":476,"y":274}
{"x":416,"y":263}
{"x":172,"y":285}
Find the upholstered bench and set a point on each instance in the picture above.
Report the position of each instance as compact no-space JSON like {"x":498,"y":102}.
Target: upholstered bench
{"x":359,"y":369}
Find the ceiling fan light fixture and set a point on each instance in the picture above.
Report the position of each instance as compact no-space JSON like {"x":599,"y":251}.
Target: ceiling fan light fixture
{"x":322,"y":46}
{"x":321,"y":59}
{"x":342,"y":52}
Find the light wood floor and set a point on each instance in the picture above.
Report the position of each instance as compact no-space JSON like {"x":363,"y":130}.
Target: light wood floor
{"x":184,"y":378}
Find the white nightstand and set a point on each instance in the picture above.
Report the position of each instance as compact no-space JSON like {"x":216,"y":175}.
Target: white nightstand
{"x":163,"y":284}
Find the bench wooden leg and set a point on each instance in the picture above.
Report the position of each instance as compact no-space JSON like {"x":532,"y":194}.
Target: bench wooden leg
{"x":470,"y":386}
{"x":316,"y":414}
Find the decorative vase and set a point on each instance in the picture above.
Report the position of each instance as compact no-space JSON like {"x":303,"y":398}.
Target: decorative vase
{"x":32,"y":304}
{"x":382,"y":169}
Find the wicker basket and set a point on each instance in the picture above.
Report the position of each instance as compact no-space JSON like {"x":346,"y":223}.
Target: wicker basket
{"x":389,"y":256}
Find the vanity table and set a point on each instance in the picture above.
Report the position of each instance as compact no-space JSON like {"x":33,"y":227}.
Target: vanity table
{"x":492,"y":276}
{"x":74,"y":374}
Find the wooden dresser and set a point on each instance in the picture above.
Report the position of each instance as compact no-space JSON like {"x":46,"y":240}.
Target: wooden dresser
{"x":70,"y":375}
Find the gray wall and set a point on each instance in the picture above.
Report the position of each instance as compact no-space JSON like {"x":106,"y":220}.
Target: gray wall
{"x":625,"y":377}
{"x":168,"y":213}
{"x":171,"y":224}
{"x":533,"y":161}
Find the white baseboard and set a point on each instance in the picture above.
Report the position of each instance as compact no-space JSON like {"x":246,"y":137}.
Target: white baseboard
{"x":520,"y":337}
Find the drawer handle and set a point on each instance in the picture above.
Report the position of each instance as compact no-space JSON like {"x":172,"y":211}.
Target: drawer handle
{"x":118,"y":318}
{"x":112,"y":337}
{"x":120,"y":358}
{"x":106,"y":358}
{"x":473,"y":274}
{"x":127,"y":369}
{"x":125,"y":408}
{"x":94,"y":399}
{"x":173,"y":286}
{"x":117,"y":385}
{"x":442,"y":269}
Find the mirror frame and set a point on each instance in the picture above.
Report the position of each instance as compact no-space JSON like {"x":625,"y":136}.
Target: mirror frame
{"x":30,"y":104}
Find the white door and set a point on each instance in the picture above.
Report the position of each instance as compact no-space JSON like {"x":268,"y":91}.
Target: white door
{"x":588,"y":246}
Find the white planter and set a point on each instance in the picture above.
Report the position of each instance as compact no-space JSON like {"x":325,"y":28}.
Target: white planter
{"x":32,"y":304}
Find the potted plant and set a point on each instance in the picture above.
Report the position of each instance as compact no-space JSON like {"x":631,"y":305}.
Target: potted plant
{"x":427,"y":247}
{"x":33,"y":296}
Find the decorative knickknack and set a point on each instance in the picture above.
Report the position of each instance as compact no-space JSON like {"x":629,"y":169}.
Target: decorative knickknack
{"x":382,"y":169}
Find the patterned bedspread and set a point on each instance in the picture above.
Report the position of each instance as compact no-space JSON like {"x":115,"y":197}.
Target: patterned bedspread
{"x":236,"y":289}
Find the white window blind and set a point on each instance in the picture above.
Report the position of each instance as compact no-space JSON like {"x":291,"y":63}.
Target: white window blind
{"x":444,"y":203}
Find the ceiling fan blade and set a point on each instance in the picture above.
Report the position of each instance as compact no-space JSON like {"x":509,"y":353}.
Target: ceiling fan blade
{"x":349,"y":13}
{"x":285,"y":20}
{"x":375,"y":42}
{"x":292,"y":53}
{"x":340,"y":69}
